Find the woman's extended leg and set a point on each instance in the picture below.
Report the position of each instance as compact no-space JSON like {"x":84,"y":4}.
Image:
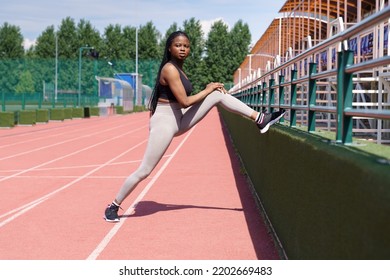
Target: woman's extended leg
{"x":198,"y":111}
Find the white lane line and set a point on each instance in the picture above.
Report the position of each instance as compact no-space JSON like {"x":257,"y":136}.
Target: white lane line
{"x":28,"y":136}
{"x":52,"y":135}
{"x":59,"y":143}
{"x":77,"y":167}
{"x":103,"y":244}
{"x":65,"y":156}
{"x":24,"y":208}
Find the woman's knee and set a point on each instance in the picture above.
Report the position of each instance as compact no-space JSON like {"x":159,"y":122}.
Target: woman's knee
{"x":143,"y":172}
{"x":215,"y":97}
{"x":217,"y":94}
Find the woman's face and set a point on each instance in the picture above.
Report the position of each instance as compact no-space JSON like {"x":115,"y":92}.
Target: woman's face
{"x":180,"y":47}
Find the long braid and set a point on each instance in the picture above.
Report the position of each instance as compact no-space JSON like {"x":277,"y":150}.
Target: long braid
{"x":166,"y":57}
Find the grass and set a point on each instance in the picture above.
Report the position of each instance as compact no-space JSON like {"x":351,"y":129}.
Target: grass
{"x":382,"y":151}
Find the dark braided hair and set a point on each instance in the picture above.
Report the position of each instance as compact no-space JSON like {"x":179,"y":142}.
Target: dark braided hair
{"x":166,"y":57}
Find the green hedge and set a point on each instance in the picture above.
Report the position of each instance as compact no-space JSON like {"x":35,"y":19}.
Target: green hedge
{"x":78,"y":113}
{"x":119,"y":109}
{"x":42,"y":116}
{"x":324,"y":201}
{"x":7,"y":119}
{"x":57,"y":114}
{"x":95,"y":111}
{"x":27,"y":117}
{"x":68,"y":113}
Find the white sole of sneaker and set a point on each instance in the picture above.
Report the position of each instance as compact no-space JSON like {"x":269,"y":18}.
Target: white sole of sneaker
{"x":265,"y":129}
{"x":111,"y":221}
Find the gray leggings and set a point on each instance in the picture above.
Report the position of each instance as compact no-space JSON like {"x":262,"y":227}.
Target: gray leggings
{"x":170,"y":120}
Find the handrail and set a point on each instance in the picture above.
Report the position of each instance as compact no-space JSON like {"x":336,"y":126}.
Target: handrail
{"x":260,"y":96}
{"x":344,"y":35}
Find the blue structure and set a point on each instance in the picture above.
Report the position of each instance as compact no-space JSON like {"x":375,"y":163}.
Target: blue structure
{"x":131,"y":78}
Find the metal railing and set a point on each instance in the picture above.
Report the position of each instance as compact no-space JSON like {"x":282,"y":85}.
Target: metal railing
{"x":296,"y":85}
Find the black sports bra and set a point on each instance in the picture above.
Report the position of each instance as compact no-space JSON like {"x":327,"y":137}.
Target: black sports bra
{"x":166,"y":93}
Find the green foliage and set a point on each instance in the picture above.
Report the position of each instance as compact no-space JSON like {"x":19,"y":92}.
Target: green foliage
{"x":27,"y":117}
{"x":217,"y":52}
{"x":11,"y":41}
{"x":68,"y":44}
{"x":119,"y":109}
{"x":212,"y":59}
{"x":239,"y":40}
{"x":45,"y":47}
{"x":148,"y":47}
{"x":95,"y":111}
{"x":195,"y":65}
{"x":7,"y":119}
{"x":42,"y":116}
{"x":68,"y":113}
{"x":78,"y":113}
{"x":57,"y":114}
{"x":25,"y":84}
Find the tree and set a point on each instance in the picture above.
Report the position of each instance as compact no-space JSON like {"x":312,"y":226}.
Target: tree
{"x":68,"y":44}
{"x":11,"y":41}
{"x":195,"y":66}
{"x":218,"y":53}
{"x":45,"y":45}
{"x":129,"y":34}
{"x":239,"y":41}
{"x":113,"y":43}
{"x":88,"y":35}
{"x":148,"y":47}
{"x":25,"y":84}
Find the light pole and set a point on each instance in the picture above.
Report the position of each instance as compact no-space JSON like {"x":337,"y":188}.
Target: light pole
{"x":80,"y":52}
{"x":136,"y":67}
{"x":56,"y":71}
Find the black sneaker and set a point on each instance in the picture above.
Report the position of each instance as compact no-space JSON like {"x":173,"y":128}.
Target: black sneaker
{"x":111,"y":213}
{"x":268,"y":119}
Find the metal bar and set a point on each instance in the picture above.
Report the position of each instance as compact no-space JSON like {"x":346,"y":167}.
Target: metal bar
{"x":367,"y":113}
{"x":370,"y":64}
{"x":323,"y":109}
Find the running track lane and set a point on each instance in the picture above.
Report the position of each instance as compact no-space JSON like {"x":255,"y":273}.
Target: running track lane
{"x":56,"y":179}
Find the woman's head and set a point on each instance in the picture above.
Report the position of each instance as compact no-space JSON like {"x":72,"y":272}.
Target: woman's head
{"x":174,"y":38}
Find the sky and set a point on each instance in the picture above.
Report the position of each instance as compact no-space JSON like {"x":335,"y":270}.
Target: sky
{"x":34,"y":16}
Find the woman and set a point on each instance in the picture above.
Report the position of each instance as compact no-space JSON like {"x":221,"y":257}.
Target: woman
{"x":175,"y":111}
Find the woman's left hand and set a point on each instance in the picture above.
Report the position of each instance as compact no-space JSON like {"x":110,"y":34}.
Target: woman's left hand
{"x":222,"y":89}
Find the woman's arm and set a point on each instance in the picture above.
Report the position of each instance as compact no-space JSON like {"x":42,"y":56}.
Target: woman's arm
{"x":170,"y":76}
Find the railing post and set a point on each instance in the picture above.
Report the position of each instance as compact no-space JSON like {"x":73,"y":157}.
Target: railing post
{"x":344,"y":98}
{"x":253,"y":96}
{"x":312,"y":97}
{"x":348,"y":97}
{"x":264,"y":95}
{"x":271,"y":99}
{"x":293,"y":102}
{"x":281,"y":90}
{"x":281,"y":93}
{"x":258,"y":95}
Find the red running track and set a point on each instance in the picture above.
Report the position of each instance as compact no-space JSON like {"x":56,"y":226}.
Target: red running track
{"x":57,"y":178}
